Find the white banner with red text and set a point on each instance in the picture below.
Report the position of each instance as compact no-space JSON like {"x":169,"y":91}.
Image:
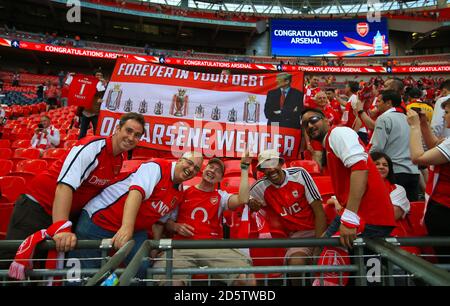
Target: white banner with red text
{"x":217,"y":114}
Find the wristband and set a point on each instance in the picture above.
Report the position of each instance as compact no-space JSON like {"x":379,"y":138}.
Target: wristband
{"x":244,"y":166}
{"x":350,"y":219}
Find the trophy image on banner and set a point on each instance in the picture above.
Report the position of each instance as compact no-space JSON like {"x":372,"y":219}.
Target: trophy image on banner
{"x":143,"y":107}
{"x":159,"y":108}
{"x":251,"y":110}
{"x":199,"y":112}
{"x":179,"y":105}
{"x":113,"y":98}
{"x":128,"y":107}
{"x":215,"y":114}
{"x":232,"y":115}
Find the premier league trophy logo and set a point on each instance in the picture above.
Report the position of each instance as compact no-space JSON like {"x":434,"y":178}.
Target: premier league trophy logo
{"x":128,"y":107}
{"x":251,"y":110}
{"x":199,"y":112}
{"x":143,"y":107}
{"x":158,"y":108}
{"x":113,"y":98}
{"x":179,"y":105}
{"x":232,"y":115}
{"x":215,"y":114}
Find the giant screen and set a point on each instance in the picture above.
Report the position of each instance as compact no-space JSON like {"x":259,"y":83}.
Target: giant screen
{"x":318,"y":37}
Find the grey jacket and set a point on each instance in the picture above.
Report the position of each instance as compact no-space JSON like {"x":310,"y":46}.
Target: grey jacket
{"x":391,"y":137}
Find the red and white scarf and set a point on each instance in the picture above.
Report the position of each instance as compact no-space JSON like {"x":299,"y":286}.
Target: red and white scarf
{"x":23,"y":259}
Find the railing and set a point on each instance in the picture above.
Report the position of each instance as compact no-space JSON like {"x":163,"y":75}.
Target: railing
{"x":393,"y":259}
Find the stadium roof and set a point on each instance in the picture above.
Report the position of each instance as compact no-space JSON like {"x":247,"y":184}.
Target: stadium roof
{"x":311,"y":7}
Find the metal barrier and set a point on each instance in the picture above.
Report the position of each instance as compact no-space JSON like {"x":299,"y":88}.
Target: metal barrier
{"x":386,"y":250}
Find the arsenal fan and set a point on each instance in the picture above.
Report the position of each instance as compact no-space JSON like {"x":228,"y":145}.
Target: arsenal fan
{"x":291,"y":203}
{"x":200,"y":217}
{"x":356,"y":181}
{"x":130,"y":207}
{"x":438,"y":207}
{"x":310,"y":92}
{"x":349,"y":118}
{"x":46,"y":135}
{"x":59,"y":193}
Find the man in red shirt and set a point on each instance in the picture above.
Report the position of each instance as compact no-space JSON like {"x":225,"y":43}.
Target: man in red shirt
{"x":356,"y":181}
{"x":130,"y":207}
{"x":200,"y":217}
{"x":310,"y":92}
{"x":60,"y":192}
{"x":291,"y":203}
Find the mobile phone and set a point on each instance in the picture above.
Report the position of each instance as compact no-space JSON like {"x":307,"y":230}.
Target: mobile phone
{"x":417,"y":109}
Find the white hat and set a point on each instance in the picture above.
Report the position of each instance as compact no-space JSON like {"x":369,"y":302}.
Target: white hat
{"x":269,"y":155}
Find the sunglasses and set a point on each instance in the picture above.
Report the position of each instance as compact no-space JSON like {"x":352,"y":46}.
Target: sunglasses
{"x":312,"y":120}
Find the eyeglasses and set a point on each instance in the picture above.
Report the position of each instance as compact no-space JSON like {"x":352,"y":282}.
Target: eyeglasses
{"x":191,"y":164}
{"x":312,"y":120}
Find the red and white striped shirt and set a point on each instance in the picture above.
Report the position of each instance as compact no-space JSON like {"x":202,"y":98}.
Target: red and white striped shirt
{"x":287,"y":207}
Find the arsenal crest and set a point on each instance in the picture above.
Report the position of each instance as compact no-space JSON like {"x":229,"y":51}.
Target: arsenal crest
{"x":362,"y":28}
{"x":295,"y":193}
{"x":214,"y":200}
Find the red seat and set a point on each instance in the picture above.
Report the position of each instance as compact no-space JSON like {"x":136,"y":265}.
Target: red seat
{"x":31,"y":166}
{"x":21,"y":143}
{"x":6,"y":210}
{"x":131,"y":165}
{"x":143,"y":153}
{"x":233,"y":168}
{"x":311,"y":166}
{"x":5,"y":143}
{"x":53,"y":154}
{"x":6,"y":167}
{"x":5,"y":153}
{"x":324,"y":184}
{"x":68,"y":144}
{"x":11,"y":187}
{"x":231,"y":184}
{"x":30,"y":153}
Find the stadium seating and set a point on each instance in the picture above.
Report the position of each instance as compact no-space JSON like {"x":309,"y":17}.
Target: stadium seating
{"x":233,"y":168}
{"x":130,"y":165}
{"x":11,"y":187}
{"x":231,"y":184}
{"x":6,"y":210}
{"x":310,"y":166}
{"x":6,"y":167}
{"x":5,"y":153}
{"x":53,"y":154}
{"x":5,"y":143}
{"x":21,"y":143}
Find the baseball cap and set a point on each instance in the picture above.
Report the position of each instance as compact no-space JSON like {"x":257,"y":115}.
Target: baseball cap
{"x":218,"y":161}
{"x":269,"y":159}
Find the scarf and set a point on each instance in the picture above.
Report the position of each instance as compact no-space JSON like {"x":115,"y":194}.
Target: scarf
{"x":23,"y":259}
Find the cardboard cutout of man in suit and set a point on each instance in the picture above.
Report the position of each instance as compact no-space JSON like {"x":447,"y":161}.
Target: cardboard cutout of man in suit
{"x":284,"y":104}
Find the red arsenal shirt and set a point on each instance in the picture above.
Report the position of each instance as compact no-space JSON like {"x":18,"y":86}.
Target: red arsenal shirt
{"x":88,"y":168}
{"x":289,"y":202}
{"x":154,"y":179}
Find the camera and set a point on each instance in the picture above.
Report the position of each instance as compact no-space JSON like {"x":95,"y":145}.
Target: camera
{"x":40,"y":125}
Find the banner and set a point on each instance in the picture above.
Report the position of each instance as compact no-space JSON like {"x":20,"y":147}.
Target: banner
{"x":217,"y":114}
{"x":354,"y":37}
{"x":183,"y":62}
